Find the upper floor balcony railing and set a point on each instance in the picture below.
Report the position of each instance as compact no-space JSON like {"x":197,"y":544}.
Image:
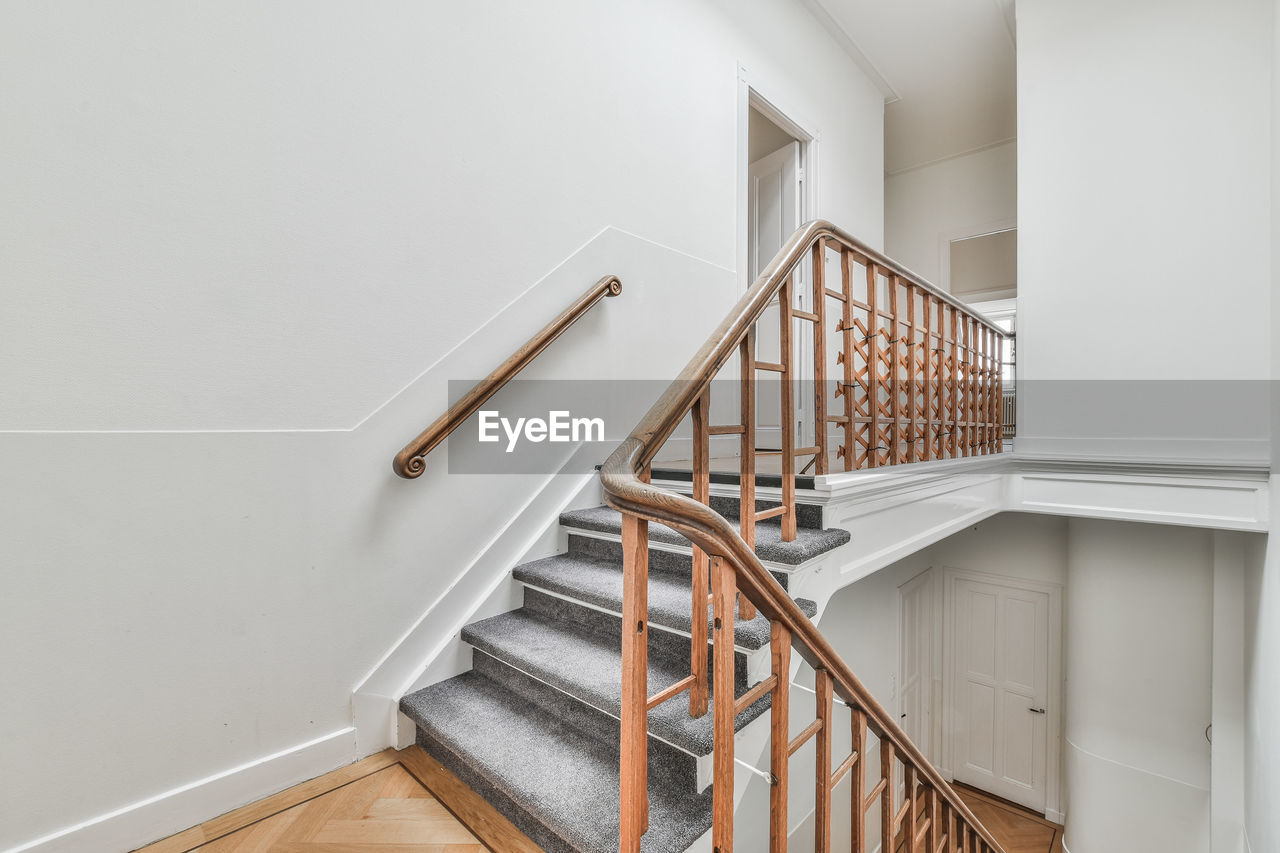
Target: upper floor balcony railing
{"x":897,"y":372}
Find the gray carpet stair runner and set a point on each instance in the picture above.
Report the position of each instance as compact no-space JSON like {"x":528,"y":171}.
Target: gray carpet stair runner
{"x":533,"y":726}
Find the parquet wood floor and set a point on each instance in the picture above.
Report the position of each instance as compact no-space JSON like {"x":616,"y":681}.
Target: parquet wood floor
{"x":1017,"y":829}
{"x":393,"y":802}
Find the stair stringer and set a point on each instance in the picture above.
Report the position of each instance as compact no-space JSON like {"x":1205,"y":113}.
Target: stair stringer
{"x":432,"y":649}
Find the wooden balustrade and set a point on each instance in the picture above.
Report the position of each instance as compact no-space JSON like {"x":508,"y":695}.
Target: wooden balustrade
{"x":917,"y":378}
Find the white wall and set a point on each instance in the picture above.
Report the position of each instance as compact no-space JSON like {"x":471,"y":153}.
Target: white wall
{"x":1139,"y":645}
{"x":928,"y":206}
{"x":1143,"y":146}
{"x":1262,"y":589}
{"x":862,"y":620}
{"x":232,"y":233}
{"x":1262,"y":690}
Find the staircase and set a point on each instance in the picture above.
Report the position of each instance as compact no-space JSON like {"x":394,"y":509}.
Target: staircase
{"x":573,"y":720}
{"x":534,"y":725}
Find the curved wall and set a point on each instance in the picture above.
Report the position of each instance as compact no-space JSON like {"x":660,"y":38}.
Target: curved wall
{"x":1139,"y":643}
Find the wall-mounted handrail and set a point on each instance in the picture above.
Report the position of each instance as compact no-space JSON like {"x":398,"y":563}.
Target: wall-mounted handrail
{"x":965,"y":366}
{"x":410,"y":462}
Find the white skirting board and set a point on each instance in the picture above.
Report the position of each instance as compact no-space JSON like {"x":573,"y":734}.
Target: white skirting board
{"x":180,"y":808}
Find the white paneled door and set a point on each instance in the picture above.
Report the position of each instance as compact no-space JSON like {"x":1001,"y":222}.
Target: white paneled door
{"x":1000,"y":690}
{"x":917,"y":619}
{"x":775,"y":209}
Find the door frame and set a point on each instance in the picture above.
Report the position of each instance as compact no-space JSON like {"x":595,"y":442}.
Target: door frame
{"x":1054,"y":703}
{"x":778,"y":107}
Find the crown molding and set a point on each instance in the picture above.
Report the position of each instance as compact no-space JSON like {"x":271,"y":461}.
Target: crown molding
{"x":851,"y":47}
{"x":937,"y":160}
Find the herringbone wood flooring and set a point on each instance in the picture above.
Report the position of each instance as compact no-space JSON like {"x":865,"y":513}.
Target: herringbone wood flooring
{"x":388,"y":812}
{"x":1018,"y":830}
{"x":392,"y":802}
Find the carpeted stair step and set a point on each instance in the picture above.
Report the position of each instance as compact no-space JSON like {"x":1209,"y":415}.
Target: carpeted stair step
{"x":598,"y":581}
{"x":661,"y":561}
{"x":587,"y":665}
{"x":807,"y":515}
{"x":683,"y":474}
{"x":809,"y":542}
{"x":557,"y":784}
{"x":676,"y":765}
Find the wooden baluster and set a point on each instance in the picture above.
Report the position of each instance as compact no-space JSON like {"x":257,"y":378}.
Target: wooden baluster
{"x":976,"y":364}
{"x":873,"y":365}
{"x":820,"y":354}
{"x":780,"y":735}
{"x":1000,"y":393}
{"x":788,"y":413}
{"x":974,"y":384}
{"x":909,"y":350}
{"x":993,"y":361}
{"x":927,"y":433}
{"x":701,"y":563}
{"x":635,"y":683}
{"x":850,"y":374}
{"x":747,"y":466}
{"x":822,"y":761}
{"x":934,"y":835}
{"x":944,"y":384}
{"x":953,"y":382}
{"x":724,"y":591}
{"x":895,"y":375}
{"x":857,"y":785}
{"x":966,"y":375}
{"x":912,"y":820}
{"x":977,"y":388}
{"x":987,"y":415}
{"x":887,"y":810}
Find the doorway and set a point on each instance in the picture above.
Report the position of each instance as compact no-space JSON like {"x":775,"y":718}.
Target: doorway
{"x":916,"y":621}
{"x":1002,"y":686}
{"x":778,"y":201}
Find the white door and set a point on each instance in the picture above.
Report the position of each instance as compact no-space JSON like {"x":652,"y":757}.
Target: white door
{"x":915,"y":693}
{"x":775,"y":202}
{"x":1000,"y":690}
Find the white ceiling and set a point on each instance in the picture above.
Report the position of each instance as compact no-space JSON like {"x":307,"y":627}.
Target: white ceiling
{"x":946,"y":68}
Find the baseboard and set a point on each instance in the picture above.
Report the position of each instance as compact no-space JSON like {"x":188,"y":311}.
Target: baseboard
{"x":163,"y":815}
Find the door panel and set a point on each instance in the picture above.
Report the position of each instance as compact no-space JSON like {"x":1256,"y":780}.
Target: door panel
{"x":775,"y":208}
{"x":1001,"y":681}
{"x":915,"y":699}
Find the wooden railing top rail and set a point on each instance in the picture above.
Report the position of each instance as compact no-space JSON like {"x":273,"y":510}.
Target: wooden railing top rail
{"x":662,"y":419}
{"x":410,"y":462}
{"x":622,"y":476}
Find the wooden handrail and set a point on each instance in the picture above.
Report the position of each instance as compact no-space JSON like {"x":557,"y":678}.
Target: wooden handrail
{"x":410,"y":462}
{"x":966,"y":363}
